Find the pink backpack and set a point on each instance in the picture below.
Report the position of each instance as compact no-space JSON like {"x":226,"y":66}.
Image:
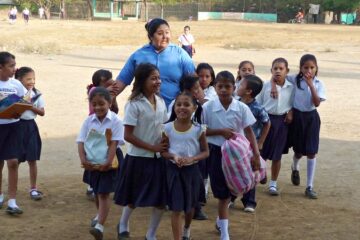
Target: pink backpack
{"x":236,"y":165}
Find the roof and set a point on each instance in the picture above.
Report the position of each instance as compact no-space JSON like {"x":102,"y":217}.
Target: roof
{"x":6,"y":2}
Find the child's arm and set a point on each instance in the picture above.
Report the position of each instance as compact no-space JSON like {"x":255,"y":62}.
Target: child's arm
{"x":289,"y":117}
{"x":251,"y":137}
{"x":131,"y":138}
{"x":204,"y":151}
{"x":263,"y":135}
{"x":274,"y":93}
{"x":227,"y":133}
{"x":38,"y":111}
{"x":169,"y":156}
{"x":84,"y":162}
{"x":315,"y":97}
{"x":111,"y":155}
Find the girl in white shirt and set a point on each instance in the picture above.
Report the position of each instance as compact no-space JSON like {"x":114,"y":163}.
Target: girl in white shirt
{"x":186,"y":41}
{"x":142,"y":180}
{"x":187,"y":146}
{"x":207,"y":77}
{"x":31,"y":141}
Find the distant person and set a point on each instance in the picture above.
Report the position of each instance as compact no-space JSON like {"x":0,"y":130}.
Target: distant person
{"x":245,"y":68}
{"x":26,"y":15}
{"x":12,"y":15}
{"x":300,"y":16}
{"x":41,"y":12}
{"x":186,"y":41}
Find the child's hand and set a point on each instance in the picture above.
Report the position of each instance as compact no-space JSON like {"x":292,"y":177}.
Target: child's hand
{"x":161,"y":147}
{"x":16,"y":115}
{"x":289,"y":117}
{"x":255,"y":162}
{"x":178,"y":160}
{"x":200,"y":95}
{"x":260,"y":145}
{"x":308,"y":78}
{"x":87,"y":165}
{"x":227,"y":133}
{"x":105,"y":167}
{"x":187,"y":161}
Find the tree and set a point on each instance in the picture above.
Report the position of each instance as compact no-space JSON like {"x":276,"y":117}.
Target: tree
{"x":162,"y":2}
{"x":46,"y":4}
{"x":339,"y":6}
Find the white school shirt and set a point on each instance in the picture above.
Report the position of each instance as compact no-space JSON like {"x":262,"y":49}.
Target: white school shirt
{"x":186,"y":40}
{"x":238,"y":116}
{"x":184,"y":144}
{"x":39,"y":103}
{"x":302,"y":98}
{"x":147,"y":122}
{"x":280,"y":105}
{"x":210,"y":93}
{"x":11,"y":86}
{"x":111,"y":121}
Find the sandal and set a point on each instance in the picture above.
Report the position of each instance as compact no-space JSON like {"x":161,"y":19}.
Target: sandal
{"x":36,"y":195}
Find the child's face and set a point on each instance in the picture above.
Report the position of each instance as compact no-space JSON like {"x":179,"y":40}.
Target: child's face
{"x":205,"y":78}
{"x":279,"y":72}
{"x":195,"y":89}
{"x":28,"y":80}
{"x":186,"y":30}
{"x":184,"y":107}
{"x":8,"y":69}
{"x":309,"y":67}
{"x":243,"y":91}
{"x":224,"y":89}
{"x":100,"y":105}
{"x":152,"y":83}
{"x":245,"y":70}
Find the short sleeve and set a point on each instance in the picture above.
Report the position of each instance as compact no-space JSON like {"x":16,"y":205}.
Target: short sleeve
{"x":131,"y":114}
{"x":321,"y":91}
{"x":40,"y":103}
{"x":83,"y":132}
{"x":118,"y":131}
{"x":247,"y":117}
{"x":260,"y":97}
{"x":211,"y":93}
{"x":126,"y":74}
{"x":204,"y":113}
{"x":291,"y":78}
{"x":263,"y":115}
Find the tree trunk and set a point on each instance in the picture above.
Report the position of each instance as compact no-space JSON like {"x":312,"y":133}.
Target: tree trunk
{"x":91,"y":13}
{"x":146,"y":11}
{"x":47,"y":13}
{"x":63,"y":10}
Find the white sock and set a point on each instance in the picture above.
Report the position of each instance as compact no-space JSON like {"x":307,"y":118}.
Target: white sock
{"x":12,"y":203}
{"x":272,"y":183}
{"x":223,"y":224}
{"x":96,"y":217}
{"x":311,"y":165}
{"x":154,"y":223}
{"x":99,"y":227}
{"x":186,"y":232}
{"x":1,"y":197}
{"x":217,"y":221}
{"x":206,"y":183}
{"x":296,"y":163}
{"x":124,"y":220}
{"x":89,"y":188}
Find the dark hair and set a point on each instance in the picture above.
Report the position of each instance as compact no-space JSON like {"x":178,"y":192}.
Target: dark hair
{"x":100,"y":91}
{"x":21,"y":72}
{"x":207,"y":66}
{"x":254,"y":83}
{"x":280,"y":60}
{"x":197,"y":114}
{"x":187,"y":26}
{"x":225,"y":75}
{"x":97,"y":77}
{"x":187,"y":82}
{"x":303,"y":60}
{"x":153,"y":25}
{"x":246,"y":62}
{"x":142,"y":72}
{"x":4,"y":57}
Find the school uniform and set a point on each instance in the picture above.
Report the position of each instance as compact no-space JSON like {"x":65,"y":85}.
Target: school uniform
{"x":276,"y":140}
{"x":238,"y":116}
{"x":186,"y":41}
{"x":103,"y":182}
{"x":142,"y":176}
{"x":183,"y":184}
{"x":306,"y":120}
{"x":30,"y":137}
{"x":9,"y":128}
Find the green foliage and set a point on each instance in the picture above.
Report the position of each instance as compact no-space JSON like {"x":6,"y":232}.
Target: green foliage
{"x":340,"y":5}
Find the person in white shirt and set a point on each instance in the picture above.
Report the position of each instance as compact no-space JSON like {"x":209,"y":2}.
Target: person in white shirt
{"x":186,"y":41}
{"x":9,"y":129}
{"x":30,"y":137}
{"x":26,"y":15}
{"x":142,"y":181}
{"x":41,"y":12}
{"x":280,"y":113}
{"x":207,"y":77}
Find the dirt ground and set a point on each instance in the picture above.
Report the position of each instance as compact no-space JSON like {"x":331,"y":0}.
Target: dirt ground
{"x":72,"y":50}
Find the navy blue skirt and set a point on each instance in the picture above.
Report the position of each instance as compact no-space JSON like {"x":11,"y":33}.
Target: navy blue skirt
{"x":103,"y":182}
{"x":305,"y":132}
{"x":30,"y":141}
{"x":142,"y":182}
{"x":276,"y":140}
{"x":183,"y":185}
{"x":217,"y":178}
{"x":188,"y":49}
{"x":10,"y":141}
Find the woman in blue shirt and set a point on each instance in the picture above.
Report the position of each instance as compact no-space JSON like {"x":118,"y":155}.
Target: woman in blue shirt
{"x":172,"y":61}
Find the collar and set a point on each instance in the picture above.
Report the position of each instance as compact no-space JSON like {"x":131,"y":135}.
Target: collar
{"x":108,"y":116}
{"x":219,"y":107}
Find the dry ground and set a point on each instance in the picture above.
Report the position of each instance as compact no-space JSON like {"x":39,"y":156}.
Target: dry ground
{"x":72,"y":50}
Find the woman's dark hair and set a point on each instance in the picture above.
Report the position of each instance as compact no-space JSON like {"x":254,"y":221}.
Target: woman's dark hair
{"x":142,"y":72}
{"x":100,"y":91}
{"x":197,"y":114}
{"x":303,"y":60}
{"x":206,"y":66}
{"x":153,"y":25}
{"x":225,"y":75}
{"x":253,"y":83}
{"x":97,"y":77}
{"x":21,"y":72}
{"x":246,"y":62}
{"x":5,"y":56}
{"x":187,"y":82}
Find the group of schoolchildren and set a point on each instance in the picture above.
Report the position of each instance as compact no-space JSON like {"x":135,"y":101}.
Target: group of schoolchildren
{"x":174,"y":152}
{"x":19,"y":136}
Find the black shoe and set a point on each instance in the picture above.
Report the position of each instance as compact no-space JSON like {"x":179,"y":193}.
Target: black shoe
{"x":14,"y":210}
{"x":200,"y":215}
{"x":97,"y":234}
{"x":124,"y":235}
{"x":218,"y":229}
{"x":295,"y":177}
{"x":310,"y":193}
{"x":264,"y":180}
